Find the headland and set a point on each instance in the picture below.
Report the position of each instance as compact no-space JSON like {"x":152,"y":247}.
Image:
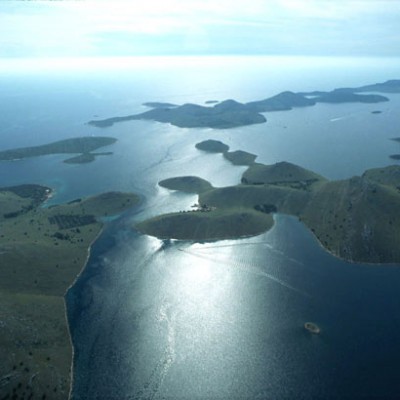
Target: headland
{"x":356,"y":219}
{"x":84,"y":146}
{"x":42,"y":251}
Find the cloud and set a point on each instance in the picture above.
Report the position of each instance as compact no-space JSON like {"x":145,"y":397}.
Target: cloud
{"x":85,"y":28}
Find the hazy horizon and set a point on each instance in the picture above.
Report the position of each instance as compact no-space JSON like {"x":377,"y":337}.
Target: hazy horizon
{"x":51,"y":29}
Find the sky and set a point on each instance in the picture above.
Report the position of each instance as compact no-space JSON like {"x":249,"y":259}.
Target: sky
{"x":199,"y":27}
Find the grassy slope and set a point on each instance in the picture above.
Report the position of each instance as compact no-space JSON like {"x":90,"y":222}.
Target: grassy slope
{"x":81,"y":145}
{"x":279,"y":173}
{"x":357,"y":219}
{"x":240,"y":157}
{"x":36,"y":270}
{"x":211,"y":225}
{"x":286,"y":200}
{"x":386,"y":176}
{"x":212,"y":146}
{"x":188,"y":184}
{"x":10,"y":202}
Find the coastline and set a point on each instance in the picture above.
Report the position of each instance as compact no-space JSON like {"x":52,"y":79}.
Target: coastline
{"x":89,"y":252}
{"x":36,"y":342}
{"x":337,"y":212}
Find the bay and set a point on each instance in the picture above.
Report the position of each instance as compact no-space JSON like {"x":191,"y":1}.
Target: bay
{"x":215,"y":320}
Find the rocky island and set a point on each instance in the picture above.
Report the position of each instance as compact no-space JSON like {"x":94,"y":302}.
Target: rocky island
{"x":188,"y":184}
{"x":312,"y":328}
{"x":42,"y":251}
{"x":237,"y":157}
{"x":240,"y":157}
{"x":230,"y":113}
{"x":357,"y":219}
{"x":84,"y":146}
{"x":212,"y":146}
{"x":208,"y":223}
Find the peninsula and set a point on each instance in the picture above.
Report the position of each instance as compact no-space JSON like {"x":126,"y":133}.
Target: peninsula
{"x":84,"y":146}
{"x":357,"y":219}
{"x":230,"y":113}
{"x":42,"y":251}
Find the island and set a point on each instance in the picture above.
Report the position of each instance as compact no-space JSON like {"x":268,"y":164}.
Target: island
{"x":42,"y":252}
{"x":340,"y":96}
{"x":312,"y":328}
{"x":208,"y":223}
{"x":224,"y":115}
{"x":390,"y":86}
{"x":356,"y":219}
{"x":188,"y":184}
{"x":237,"y":157}
{"x":212,"y":146}
{"x":231,"y":113}
{"x":240,"y":157}
{"x":84,"y":146}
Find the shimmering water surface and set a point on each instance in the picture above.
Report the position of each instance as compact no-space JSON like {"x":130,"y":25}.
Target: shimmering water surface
{"x":153,"y":319}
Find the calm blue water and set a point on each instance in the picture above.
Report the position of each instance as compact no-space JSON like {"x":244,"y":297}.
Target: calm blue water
{"x":152,"y":320}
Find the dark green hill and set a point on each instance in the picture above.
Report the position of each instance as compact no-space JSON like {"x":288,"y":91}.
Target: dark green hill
{"x":207,"y":225}
{"x":389,"y":176}
{"x":357,"y":219}
{"x":285,"y":199}
{"x":339,"y":96}
{"x":391,"y":86}
{"x":212,"y":146}
{"x":188,"y":184}
{"x":228,"y":114}
{"x":282,"y":173}
{"x":281,"y":102}
{"x":240,"y":157}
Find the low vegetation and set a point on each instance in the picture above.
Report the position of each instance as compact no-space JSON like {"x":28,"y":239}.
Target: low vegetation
{"x":357,"y":219}
{"x":212,"y":146}
{"x":42,"y":251}
{"x":81,"y":145}
{"x":240,"y":157}
{"x":208,"y":225}
{"x":188,"y":184}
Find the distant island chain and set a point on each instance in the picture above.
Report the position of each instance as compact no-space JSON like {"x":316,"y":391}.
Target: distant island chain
{"x":230,"y":113}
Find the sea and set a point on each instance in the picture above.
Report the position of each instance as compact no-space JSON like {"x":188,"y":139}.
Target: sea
{"x":153,"y":319}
